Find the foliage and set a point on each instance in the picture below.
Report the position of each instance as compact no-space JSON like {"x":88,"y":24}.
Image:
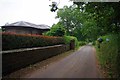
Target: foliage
{"x":67,"y":40}
{"x":109,"y":54}
{"x":78,"y":23}
{"x":56,"y":30}
{"x":16,"y":41}
{"x":81,"y":43}
{"x":90,"y":20}
{"x":71,"y":19}
{"x":90,"y":30}
{"x":106,"y":15}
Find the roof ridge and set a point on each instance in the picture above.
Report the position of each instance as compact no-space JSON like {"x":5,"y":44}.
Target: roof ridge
{"x":29,"y":24}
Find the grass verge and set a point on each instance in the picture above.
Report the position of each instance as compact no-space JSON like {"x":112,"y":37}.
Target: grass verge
{"x":108,"y":55}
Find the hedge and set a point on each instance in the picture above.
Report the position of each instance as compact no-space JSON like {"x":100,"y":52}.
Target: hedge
{"x":16,"y":41}
{"x":67,"y":40}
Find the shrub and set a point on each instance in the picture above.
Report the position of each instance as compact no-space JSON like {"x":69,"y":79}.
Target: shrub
{"x":16,"y":41}
{"x":109,"y":54}
{"x":67,"y":40}
{"x":56,"y":30}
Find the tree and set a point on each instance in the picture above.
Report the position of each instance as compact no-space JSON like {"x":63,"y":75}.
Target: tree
{"x":56,"y":30}
{"x":90,"y":20}
{"x":78,"y":23}
{"x":105,"y":14}
{"x":71,"y":18}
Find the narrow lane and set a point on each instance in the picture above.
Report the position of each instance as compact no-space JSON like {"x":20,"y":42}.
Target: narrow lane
{"x":80,"y":64}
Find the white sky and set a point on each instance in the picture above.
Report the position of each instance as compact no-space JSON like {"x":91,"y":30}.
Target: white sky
{"x":34,"y":11}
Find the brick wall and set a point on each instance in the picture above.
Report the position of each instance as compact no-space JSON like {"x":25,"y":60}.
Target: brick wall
{"x":16,"y":59}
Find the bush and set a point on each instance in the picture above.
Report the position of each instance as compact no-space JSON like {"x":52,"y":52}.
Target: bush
{"x":16,"y":41}
{"x":109,"y":54}
{"x":67,"y":40}
{"x":56,"y":30}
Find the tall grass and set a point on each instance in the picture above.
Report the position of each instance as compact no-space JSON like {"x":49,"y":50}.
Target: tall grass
{"x":109,"y":54}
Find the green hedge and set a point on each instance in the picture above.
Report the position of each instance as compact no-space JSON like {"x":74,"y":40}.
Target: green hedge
{"x":16,"y":41}
{"x":67,"y":40}
{"x":109,"y":54}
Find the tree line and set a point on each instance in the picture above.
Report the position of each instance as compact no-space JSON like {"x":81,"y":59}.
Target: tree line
{"x":87,"y":20}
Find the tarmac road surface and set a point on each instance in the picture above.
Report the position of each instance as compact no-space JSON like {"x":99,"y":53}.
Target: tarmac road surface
{"x":80,"y":64}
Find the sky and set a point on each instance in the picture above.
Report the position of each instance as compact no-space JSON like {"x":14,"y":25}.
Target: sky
{"x":34,"y":11}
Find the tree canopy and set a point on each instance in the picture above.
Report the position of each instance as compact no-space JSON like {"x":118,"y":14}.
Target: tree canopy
{"x":90,"y":20}
{"x":87,"y":21}
{"x":56,"y":30}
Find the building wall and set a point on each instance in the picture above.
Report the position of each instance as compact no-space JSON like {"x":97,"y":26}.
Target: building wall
{"x":24,"y":30}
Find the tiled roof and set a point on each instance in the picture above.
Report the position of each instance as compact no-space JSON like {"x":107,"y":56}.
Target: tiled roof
{"x":28,"y":24}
